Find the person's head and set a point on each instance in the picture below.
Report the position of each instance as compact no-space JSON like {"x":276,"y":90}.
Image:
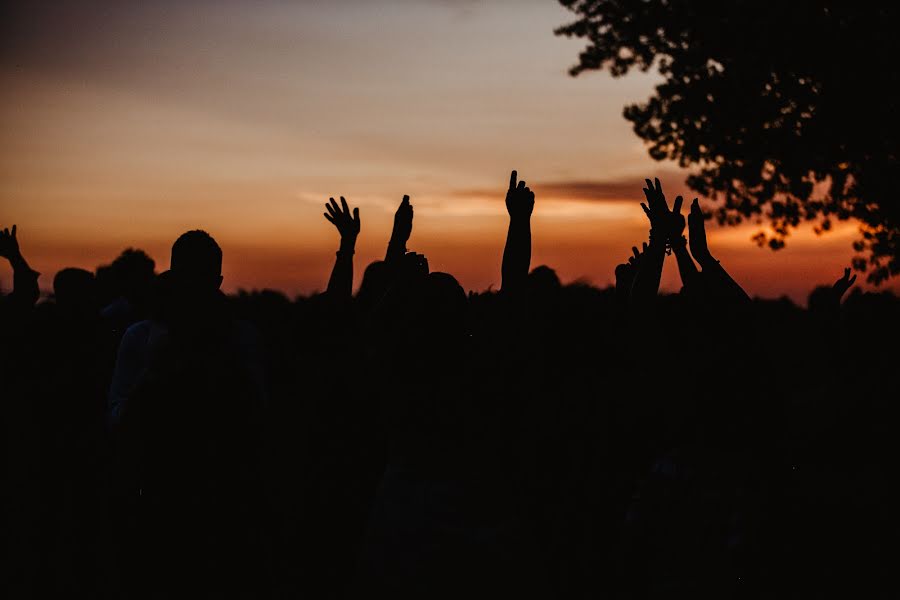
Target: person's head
{"x":444,"y":303}
{"x":197,"y":261}
{"x":134,"y":273}
{"x":375,"y":281}
{"x":543,"y":280}
{"x":75,"y":290}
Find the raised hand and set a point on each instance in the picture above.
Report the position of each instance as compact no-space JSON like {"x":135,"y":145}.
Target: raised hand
{"x":25,"y":288}
{"x":656,"y":208}
{"x":625,"y":271}
{"x":403,"y":221}
{"x":517,"y":252}
{"x":697,"y":231}
{"x":675,"y":220}
{"x":843,"y":284}
{"x":340,"y":217}
{"x":340,"y":284}
{"x":9,"y":245}
{"x":519,"y":199}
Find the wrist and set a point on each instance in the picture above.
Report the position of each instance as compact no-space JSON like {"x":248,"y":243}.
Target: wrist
{"x":348,"y":245}
{"x":707,"y":260}
{"x":17,"y":261}
{"x":398,"y":241}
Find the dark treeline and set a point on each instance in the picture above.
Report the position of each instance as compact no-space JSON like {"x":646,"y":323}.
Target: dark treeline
{"x":546,"y":440}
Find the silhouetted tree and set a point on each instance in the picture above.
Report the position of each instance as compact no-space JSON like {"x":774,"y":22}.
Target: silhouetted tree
{"x":779,"y":106}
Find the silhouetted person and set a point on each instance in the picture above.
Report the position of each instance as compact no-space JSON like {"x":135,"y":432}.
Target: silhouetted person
{"x":187,"y":397}
{"x":75,"y":292}
{"x":379,"y":275}
{"x":132,"y":276}
{"x":446,"y":516}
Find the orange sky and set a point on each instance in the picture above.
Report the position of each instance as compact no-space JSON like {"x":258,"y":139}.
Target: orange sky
{"x":126,"y":123}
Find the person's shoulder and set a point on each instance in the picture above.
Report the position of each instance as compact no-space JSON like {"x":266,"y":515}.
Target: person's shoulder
{"x":139,"y":329}
{"x":140,"y":332}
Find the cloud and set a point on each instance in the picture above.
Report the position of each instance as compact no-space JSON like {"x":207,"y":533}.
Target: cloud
{"x":626,"y":189}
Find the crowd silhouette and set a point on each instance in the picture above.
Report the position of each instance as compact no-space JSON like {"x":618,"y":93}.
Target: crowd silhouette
{"x":166,"y":440}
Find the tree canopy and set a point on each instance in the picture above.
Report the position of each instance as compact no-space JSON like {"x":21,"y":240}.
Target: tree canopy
{"x":785,"y":111}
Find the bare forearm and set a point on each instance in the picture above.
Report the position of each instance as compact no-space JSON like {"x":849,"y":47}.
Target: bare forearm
{"x":340,"y":284}
{"x":516,"y":254}
{"x":25,"y":286}
{"x":717,"y":276}
{"x":686,"y":267}
{"x":649,"y":273}
{"x":395,"y":250}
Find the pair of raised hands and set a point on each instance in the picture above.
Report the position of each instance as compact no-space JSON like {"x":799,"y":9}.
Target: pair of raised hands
{"x":348,"y":225}
{"x":670,"y":224}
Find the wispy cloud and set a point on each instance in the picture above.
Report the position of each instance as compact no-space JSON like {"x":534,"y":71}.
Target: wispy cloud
{"x":626,"y":189}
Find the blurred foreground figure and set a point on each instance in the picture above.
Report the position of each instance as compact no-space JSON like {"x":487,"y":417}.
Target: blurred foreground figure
{"x":186,"y":401}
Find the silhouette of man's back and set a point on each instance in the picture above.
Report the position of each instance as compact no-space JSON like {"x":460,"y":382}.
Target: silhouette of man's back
{"x":187,"y":398}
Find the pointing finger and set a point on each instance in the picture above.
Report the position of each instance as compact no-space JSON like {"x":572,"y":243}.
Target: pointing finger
{"x":512,"y":180}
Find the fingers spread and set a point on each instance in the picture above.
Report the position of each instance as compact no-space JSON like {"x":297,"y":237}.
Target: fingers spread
{"x":345,"y":207}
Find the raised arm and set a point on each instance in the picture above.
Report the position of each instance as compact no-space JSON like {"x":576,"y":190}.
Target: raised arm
{"x":517,"y":252}
{"x":678,"y":243}
{"x":340,"y":285}
{"x":716,"y":281}
{"x":625,"y":276}
{"x":649,"y":272}
{"x":25,"y":287}
{"x":403,"y":222}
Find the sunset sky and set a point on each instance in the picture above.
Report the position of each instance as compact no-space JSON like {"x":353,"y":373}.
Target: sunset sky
{"x":127,"y":123}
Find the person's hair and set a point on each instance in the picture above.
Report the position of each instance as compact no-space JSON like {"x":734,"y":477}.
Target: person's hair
{"x":73,"y":286}
{"x":196,"y":253}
